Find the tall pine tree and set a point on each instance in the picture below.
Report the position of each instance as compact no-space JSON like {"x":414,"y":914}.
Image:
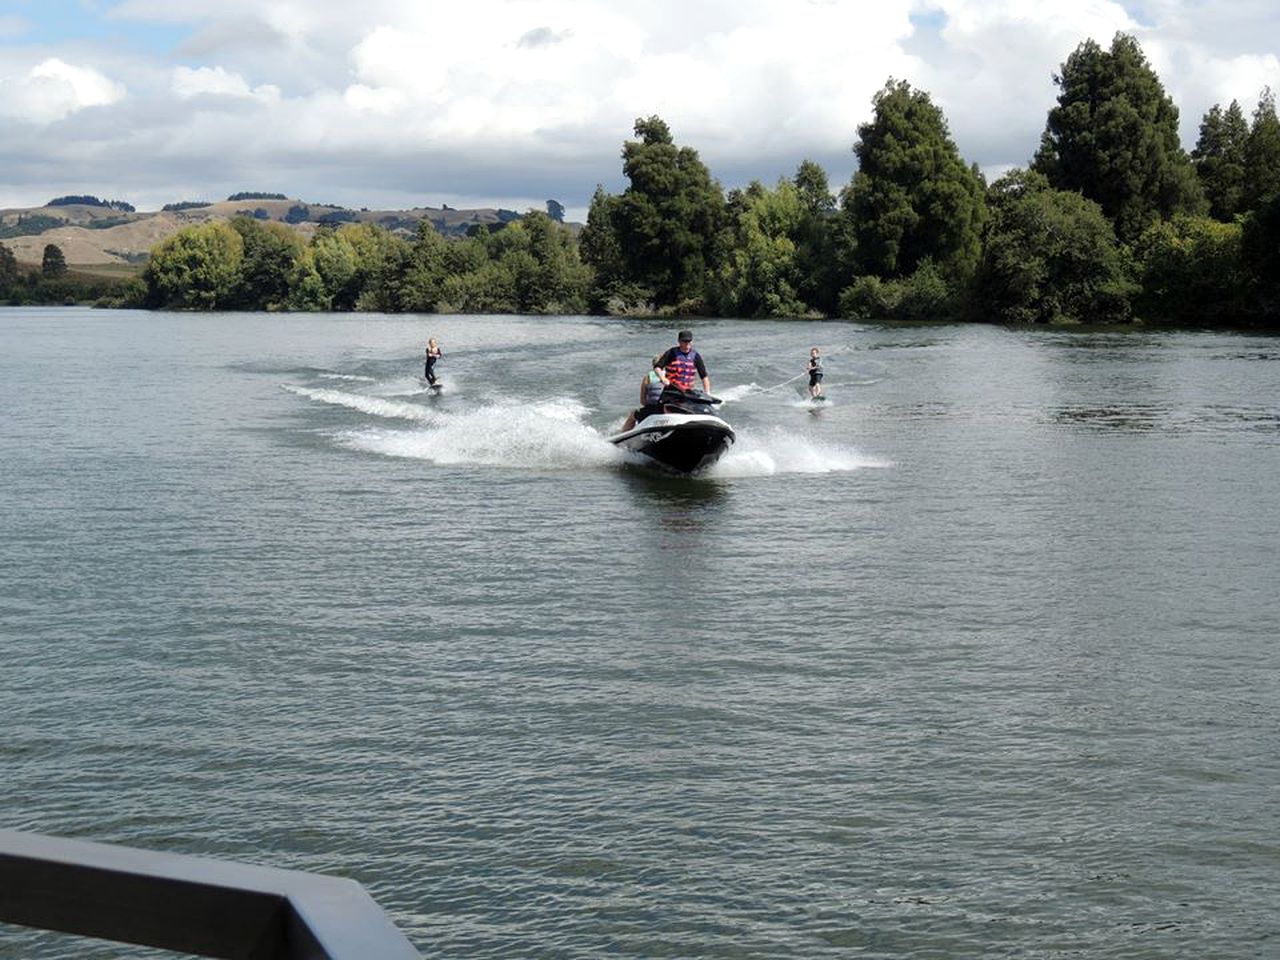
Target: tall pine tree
{"x":1262,"y":153}
{"x":668,"y":218}
{"x":1219,"y":159}
{"x":912,"y":198}
{"x":1114,"y":138}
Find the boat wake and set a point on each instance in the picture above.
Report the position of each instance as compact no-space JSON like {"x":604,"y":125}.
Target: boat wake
{"x":782,"y":452}
{"x":544,"y":436}
{"x":553,"y":434}
{"x":377,"y":406}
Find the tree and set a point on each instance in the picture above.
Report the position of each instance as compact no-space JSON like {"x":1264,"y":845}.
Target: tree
{"x":1262,"y":153}
{"x":271,"y":254}
{"x":54,"y":264}
{"x":1260,"y":254}
{"x":1191,"y":271}
{"x":555,"y":210}
{"x":538,"y":264}
{"x":196,"y":268}
{"x":913,"y":198}
{"x":600,"y":249}
{"x":352,"y":262}
{"x":8,"y":270}
{"x":425,"y":271}
{"x":815,"y":238}
{"x":1050,"y":256}
{"x":760,"y":275}
{"x":668,"y":218}
{"x":1114,"y":138}
{"x":1219,"y":159}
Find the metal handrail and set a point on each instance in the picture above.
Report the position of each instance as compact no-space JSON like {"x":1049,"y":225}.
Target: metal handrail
{"x":210,"y":908}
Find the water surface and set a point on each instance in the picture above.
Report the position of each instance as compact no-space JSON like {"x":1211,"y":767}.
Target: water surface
{"x":979,"y":659}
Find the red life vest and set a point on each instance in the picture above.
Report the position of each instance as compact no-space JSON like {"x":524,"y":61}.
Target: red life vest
{"x":682,"y":370}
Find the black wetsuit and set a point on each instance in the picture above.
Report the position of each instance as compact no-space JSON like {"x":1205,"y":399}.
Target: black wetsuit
{"x":815,"y":371}
{"x":429,"y":371}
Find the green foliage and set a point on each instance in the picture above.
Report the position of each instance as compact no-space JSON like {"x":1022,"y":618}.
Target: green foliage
{"x":352,"y":262}
{"x":1220,"y":158}
{"x":666,"y":221}
{"x":1260,"y":256}
{"x":925,"y":295}
{"x":106,"y":223}
{"x":8,"y":270}
{"x":1050,"y":256}
{"x":612,"y":290}
{"x":306,"y":289}
{"x":913,"y":198}
{"x":422,"y":280}
{"x":254,"y":195}
{"x":90,"y":201}
{"x":760,"y":275}
{"x":816,"y":240}
{"x":1191,"y":271}
{"x":29,"y":225}
{"x":1262,"y":153}
{"x":1114,"y":138}
{"x":271,"y":255}
{"x":53,"y":264}
{"x":196,"y":268}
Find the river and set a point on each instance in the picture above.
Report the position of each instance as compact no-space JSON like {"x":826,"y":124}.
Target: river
{"x":977,"y":659}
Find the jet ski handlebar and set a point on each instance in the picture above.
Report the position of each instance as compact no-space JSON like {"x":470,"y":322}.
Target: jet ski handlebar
{"x":673,"y":394}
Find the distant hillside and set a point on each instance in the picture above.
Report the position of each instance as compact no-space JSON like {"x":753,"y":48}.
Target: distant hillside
{"x":99,"y":233}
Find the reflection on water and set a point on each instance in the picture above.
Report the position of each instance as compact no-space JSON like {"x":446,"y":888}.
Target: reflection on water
{"x":678,"y":503}
{"x":1220,"y":421}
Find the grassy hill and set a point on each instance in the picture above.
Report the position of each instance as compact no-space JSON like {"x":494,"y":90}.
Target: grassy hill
{"x":95,"y":237}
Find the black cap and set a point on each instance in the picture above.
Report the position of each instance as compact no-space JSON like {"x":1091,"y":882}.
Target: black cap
{"x":684,"y":336}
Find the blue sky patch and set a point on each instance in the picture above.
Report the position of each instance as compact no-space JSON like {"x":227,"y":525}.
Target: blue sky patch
{"x":58,"y":22}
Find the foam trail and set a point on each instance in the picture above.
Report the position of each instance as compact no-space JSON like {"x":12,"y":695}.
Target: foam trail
{"x":401,"y":387}
{"x":346,"y":376}
{"x":545,"y":436}
{"x":392,"y":409}
{"x":782,"y":452}
{"x":738,"y":392}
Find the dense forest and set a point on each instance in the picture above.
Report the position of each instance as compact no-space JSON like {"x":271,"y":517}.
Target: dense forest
{"x":1111,"y":221}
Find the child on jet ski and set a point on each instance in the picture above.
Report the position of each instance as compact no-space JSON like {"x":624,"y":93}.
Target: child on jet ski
{"x":651,"y":388}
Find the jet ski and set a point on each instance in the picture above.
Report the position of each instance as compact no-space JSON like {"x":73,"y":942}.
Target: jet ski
{"x":682,"y":432}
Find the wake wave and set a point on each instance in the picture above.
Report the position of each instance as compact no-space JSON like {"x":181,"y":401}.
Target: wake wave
{"x":554,"y":434}
{"x":780,"y":452}
{"x":377,"y":406}
{"x":547,"y":435}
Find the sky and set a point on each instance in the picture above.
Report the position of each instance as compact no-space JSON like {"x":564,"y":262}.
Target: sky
{"x":509,"y":103}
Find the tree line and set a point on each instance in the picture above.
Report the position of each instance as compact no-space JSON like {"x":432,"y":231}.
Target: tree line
{"x":1110,"y":221}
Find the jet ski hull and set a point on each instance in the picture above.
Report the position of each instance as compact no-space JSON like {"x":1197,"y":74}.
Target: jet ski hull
{"x":684,"y":443}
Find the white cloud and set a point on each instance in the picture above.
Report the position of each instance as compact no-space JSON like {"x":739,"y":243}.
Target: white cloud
{"x":188,"y":82}
{"x":52,"y":89}
{"x":519,"y":98}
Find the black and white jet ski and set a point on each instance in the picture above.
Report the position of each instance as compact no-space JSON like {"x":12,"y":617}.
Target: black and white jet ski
{"x":682,"y":432}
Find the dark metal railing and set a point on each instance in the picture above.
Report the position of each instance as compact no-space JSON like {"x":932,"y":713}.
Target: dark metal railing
{"x":210,"y":908}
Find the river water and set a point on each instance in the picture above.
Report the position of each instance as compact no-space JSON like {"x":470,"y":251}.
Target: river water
{"x":979,"y":659}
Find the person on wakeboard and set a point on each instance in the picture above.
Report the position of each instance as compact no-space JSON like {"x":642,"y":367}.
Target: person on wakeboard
{"x":815,"y":374}
{"x":683,"y":365}
{"x":433,"y":354}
